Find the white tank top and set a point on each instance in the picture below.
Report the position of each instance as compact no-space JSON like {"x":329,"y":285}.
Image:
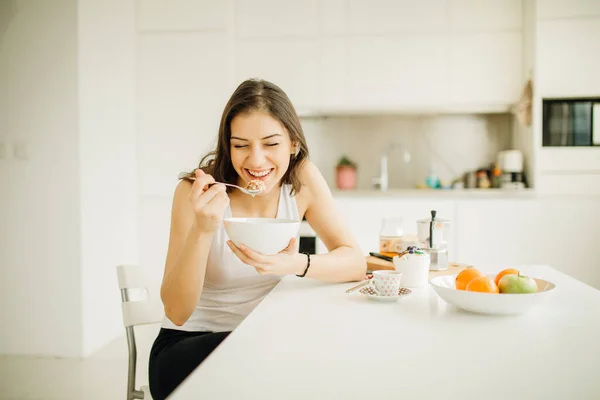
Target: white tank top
{"x":232,"y":289}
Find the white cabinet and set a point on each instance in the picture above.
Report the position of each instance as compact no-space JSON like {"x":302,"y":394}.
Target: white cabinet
{"x":398,"y":72}
{"x":276,"y":19}
{"x":182,"y":15}
{"x":567,"y":50}
{"x":558,"y":231}
{"x":485,"y":68}
{"x":568,"y":56}
{"x":476,"y":16}
{"x":359,"y":55}
{"x":494,"y":233}
{"x":335,"y":84}
{"x":292,"y":64}
{"x":383,"y":55}
{"x":278,"y":41}
{"x":333,"y":18}
{"x":553,"y":9}
{"x":396,"y":17}
{"x":572,"y":160}
{"x":419,"y":56}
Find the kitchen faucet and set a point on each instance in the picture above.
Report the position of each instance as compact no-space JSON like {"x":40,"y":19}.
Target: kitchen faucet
{"x":383,"y":179}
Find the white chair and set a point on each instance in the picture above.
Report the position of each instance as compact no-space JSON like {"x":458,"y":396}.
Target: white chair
{"x":139,"y":307}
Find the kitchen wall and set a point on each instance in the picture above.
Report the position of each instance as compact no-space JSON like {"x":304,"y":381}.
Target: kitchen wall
{"x":40,"y":243}
{"x":107,"y":161}
{"x":68,"y":210}
{"x":451,"y":144}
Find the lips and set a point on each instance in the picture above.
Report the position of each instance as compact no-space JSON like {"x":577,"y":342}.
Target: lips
{"x":259,"y":174}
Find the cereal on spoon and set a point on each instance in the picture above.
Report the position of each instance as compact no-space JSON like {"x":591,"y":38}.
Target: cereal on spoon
{"x":256,"y":185}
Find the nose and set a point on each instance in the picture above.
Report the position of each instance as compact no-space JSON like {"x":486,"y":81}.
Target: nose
{"x":257,"y":156}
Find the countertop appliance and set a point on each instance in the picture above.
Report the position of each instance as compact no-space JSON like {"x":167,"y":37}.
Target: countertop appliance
{"x":510,"y":163}
{"x":434,"y":237}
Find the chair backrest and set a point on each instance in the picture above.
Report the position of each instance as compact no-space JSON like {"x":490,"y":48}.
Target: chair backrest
{"x":139,"y":304}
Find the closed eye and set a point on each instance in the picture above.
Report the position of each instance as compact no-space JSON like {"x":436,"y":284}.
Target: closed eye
{"x":239,"y":146}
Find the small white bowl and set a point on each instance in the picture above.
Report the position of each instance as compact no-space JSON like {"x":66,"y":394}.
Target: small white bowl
{"x":265,"y":235}
{"x":491,"y":303}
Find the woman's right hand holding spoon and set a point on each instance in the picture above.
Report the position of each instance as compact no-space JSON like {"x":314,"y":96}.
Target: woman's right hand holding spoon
{"x":208,"y":202}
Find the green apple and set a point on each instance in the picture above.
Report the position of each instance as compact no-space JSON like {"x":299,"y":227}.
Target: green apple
{"x":517,"y":284}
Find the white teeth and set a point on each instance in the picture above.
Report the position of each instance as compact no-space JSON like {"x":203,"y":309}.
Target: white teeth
{"x":259,"y":174}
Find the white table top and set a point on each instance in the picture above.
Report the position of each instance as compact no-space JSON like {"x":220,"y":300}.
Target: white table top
{"x":310,"y":340}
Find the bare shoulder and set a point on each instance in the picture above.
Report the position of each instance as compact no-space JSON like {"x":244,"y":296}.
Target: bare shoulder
{"x":181,"y":205}
{"x":310,"y":175}
{"x":182,"y":189}
{"x":314,"y":186}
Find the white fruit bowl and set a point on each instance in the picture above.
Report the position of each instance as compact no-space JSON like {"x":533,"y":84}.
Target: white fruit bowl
{"x":265,"y":235}
{"x":491,"y":303}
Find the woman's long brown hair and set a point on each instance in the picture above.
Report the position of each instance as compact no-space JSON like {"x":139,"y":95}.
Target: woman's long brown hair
{"x":255,"y":95}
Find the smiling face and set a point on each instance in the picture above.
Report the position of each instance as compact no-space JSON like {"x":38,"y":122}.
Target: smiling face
{"x":260,"y":148}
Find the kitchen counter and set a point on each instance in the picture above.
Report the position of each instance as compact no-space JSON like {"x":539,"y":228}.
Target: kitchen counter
{"x":311,"y":340}
{"x":437,"y":193}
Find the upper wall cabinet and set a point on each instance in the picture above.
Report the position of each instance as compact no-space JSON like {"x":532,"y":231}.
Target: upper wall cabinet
{"x":567,"y":50}
{"x":553,"y":9}
{"x":260,"y":19}
{"x":291,"y":64}
{"x":392,"y":55}
{"x":278,"y":41}
{"x":396,"y":73}
{"x":433,"y":54}
{"x":477,"y":16}
{"x":395,"y":17}
{"x":485,"y":69}
{"x":182,"y":15}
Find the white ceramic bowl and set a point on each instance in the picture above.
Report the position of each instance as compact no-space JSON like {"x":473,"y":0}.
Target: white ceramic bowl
{"x":265,"y":235}
{"x":491,"y":303}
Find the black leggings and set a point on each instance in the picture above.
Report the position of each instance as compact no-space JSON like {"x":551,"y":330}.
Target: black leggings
{"x":175,"y":354}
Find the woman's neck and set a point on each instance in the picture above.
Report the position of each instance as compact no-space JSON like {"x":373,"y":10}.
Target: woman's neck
{"x":266,"y":206}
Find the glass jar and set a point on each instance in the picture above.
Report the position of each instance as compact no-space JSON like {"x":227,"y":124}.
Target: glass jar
{"x":390,"y":236}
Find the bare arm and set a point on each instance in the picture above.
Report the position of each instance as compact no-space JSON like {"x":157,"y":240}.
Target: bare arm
{"x":345,"y":261}
{"x":195,"y":216}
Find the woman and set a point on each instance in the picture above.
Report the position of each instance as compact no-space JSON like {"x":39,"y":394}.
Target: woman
{"x":209,"y":284}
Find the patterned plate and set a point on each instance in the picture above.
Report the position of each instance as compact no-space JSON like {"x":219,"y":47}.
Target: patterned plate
{"x":370,"y":293}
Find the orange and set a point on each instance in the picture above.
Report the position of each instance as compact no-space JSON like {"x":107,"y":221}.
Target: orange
{"x":465,"y":276}
{"x":508,"y":271}
{"x":482,"y":284}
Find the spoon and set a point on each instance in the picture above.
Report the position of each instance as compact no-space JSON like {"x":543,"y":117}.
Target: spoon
{"x":251,"y":192}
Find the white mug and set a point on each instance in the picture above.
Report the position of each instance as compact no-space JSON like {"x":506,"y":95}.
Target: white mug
{"x":414,"y":269}
{"x":386,"y":283}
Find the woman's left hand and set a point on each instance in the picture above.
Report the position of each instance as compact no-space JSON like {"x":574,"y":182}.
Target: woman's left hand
{"x":287,"y":261}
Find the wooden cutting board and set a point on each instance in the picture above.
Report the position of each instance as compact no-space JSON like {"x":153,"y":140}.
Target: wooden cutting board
{"x":374,"y":264}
